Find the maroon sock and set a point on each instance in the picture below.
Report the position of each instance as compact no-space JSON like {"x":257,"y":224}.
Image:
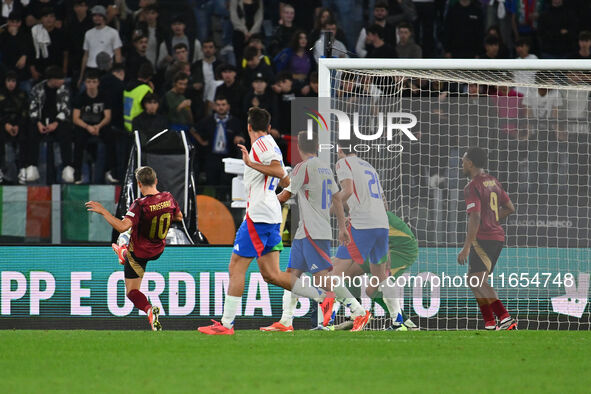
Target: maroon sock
{"x":487,"y":314}
{"x":499,"y":310}
{"x":139,"y":300}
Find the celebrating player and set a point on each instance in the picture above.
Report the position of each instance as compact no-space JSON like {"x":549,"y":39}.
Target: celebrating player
{"x":149,"y":218}
{"x":313,"y":183}
{"x":487,"y":204}
{"x":259,"y":236}
{"x":368,"y":228}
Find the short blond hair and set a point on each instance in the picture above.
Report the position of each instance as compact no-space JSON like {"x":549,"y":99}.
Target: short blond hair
{"x":146,"y":176}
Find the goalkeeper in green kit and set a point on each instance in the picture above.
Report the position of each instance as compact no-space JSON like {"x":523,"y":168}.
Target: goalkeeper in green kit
{"x":404,"y":250}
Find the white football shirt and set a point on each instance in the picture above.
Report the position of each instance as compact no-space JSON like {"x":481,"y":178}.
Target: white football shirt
{"x":313,"y":183}
{"x":366,"y":206}
{"x":100,"y":40}
{"x":262,"y":203}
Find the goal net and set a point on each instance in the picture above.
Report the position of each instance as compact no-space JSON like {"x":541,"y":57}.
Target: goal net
{"x":533,"y":119}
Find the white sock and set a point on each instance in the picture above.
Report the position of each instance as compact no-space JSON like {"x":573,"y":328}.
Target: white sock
{"x":344,"y":296}
{"x":393,"y":305}
{"x":289,"y":304}
{"x":308,"y":290}
{"x":230,"y":306}
{"x":389,"y":291}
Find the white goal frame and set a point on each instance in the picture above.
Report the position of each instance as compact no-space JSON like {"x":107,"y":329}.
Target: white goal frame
{"x":327,"y":65}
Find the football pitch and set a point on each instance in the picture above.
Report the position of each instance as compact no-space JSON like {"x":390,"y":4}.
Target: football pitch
{"x":303,"y":361}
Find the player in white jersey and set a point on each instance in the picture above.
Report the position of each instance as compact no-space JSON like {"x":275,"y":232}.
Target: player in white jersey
{"x":258,"y":236}
{"x":368,"y":228}
{"x":313,"y":183}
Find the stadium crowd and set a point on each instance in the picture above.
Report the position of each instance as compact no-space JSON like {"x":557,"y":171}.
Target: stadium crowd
{"x":82,"y":73}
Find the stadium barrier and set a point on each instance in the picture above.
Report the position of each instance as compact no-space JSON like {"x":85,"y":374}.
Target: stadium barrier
{"x":64,"y":287}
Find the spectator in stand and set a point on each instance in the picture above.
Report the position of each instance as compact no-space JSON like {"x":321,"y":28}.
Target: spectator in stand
{"x":557,"y":30}
{"x":503,"y":23}
{"x":167,"y":54}
{"x":285,"y":96}
{"x":13,"y":124}
{"x":338,"y":48}
{"x":526,"y":14}
{"x":203,"y":73}
{"x":509,"y":106}
{"x":424,"y":26}
{"x":463,"y":30}
{"x":218,"y":135}
{"x":577,"y":114}
{"x":380,"y":15}
{"x":260,"y":96}
{"x":296,"y":59}
{"x":49,"y":112}
{"x":91,"y":117}
{"x":153,"y":30}
{"x":231,"y":89}
{"x":584,"y":51}
{"x":78,"y":24}
{"x":542,"y":105}
{"x":256,"y":41}
{"x":134,"y":94}
{"x":504,"y":51}
{"x":180,"y":59}
{"x":247,"y":19}
{"x":311,"y":90}
{"x":491,"y":48}
{"x":7,"y":7}
{"x":14,"y":45}
{"x":204,"y":11}
{"x":177,"y":106}
{"x":401,"y":11}
{"x":101,"y":38}
{"x":380,"y":49}
{"x":136,"y":56}
{"x":284,"y":31}
{"x":150,"y":122}
{"x":49,"y":45}
{"x":523,"y":77}
{"x":255,"y":64}
{"x":34,"y":11}
{"x":305,"y":12}
{"x":407,"y":47}
{"x":349,"y":16}
{"x":112,"y":86}
{"x":323,"y":16}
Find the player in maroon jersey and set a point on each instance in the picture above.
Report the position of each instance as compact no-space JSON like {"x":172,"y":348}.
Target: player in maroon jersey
{"x":486,"y":204}
{"x":149,"y":218}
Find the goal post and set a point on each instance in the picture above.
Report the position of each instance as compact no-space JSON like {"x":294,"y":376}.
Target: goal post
{"x":532,"y":117}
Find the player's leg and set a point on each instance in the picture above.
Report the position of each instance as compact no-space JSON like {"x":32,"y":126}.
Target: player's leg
{"x":134,"y":270}
{"x":289,"y":303}
{"x":120,"y":248}
{"x":479,"y":266}
{"x":491,"y":250}
{"x":237,"y":272}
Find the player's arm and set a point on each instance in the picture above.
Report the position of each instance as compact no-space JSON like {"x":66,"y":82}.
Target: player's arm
{"x":120,"y":225}
{"x":177,"y":217}
{"x":473,"y":225}
{"x":274,"y":169}
{"x":338,"y":209}
{"x":506,"y":210}
{"x":284,"y":196}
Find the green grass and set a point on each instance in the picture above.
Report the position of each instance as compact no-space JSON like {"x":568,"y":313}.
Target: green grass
{"x":250,"y":361}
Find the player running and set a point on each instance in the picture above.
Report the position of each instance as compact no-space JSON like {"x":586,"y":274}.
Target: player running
{"x":149,"y":219}
{"x":314,"y":185}
{"x":368,"y":227}
{"x":487,"y":204}
{"x":259,"y":236}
